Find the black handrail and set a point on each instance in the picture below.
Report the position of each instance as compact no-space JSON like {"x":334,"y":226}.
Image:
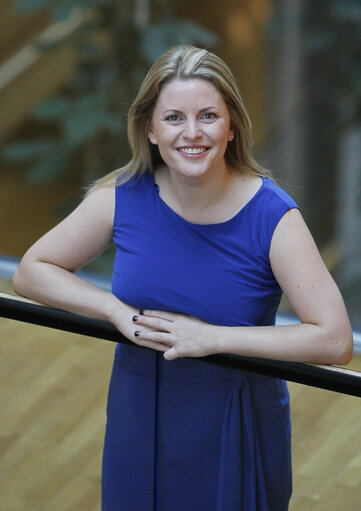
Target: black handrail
{"x":333,"y":378}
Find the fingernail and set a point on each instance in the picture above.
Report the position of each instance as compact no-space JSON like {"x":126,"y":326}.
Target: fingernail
{"x":136,"y":333}
{"x":135,"y":318}
{"x":141,"y":312}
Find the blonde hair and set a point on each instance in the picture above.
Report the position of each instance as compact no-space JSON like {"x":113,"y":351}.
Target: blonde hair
{"x":184,"y":62}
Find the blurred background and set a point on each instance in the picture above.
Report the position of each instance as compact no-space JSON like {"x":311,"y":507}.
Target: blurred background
{"x":69,"y":70}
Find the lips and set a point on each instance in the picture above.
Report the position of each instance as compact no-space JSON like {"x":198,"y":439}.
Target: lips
{"x":193,"y":150}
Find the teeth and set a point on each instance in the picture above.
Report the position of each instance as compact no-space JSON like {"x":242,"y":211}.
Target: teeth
{"x":193,"y":150}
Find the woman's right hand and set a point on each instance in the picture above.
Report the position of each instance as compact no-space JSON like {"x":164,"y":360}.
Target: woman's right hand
{"x":124,"y":318}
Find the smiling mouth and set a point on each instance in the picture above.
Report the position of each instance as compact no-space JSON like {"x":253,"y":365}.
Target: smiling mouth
{"x":193,"y":150}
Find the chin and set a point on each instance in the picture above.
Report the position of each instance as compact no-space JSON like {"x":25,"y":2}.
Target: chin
{"x":192,"y":173}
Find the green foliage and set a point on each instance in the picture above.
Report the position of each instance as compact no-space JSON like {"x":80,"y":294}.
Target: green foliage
{"x":319,"y":40}
{"x":80,"y":118}
{"x":47,"y":168}
{"x":52,"y":109}
{"x":346,"y":10}
{"x":59,"y":9}
{"x":89,"y":113}
{"x":39,"y":154}
{"x":19,"y":152}
{"x":28,"y":6}
{"x":93,"y":103}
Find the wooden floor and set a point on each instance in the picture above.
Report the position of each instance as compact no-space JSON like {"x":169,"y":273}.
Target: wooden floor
{"x":53,"y":388}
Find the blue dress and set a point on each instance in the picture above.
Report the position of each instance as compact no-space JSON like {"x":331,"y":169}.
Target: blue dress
{"x":185,"y":435}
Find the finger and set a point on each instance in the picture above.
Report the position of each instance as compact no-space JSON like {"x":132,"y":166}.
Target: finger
{"x":168,"y":316}
{"x":154,"y":336}
{"x":170,"y":354}
{"x":155,"y":323}
{"x":158,"y":346}
{"x":144,"y":328}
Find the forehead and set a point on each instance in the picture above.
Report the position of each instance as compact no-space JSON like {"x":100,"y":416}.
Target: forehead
{"x":180,"y":94}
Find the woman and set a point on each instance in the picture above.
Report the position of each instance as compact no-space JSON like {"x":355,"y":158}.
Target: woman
{"x":205,"y":243}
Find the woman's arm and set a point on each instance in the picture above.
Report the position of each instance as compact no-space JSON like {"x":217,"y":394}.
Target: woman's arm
{"x":45,"y":273}
{"x":323,"y":337}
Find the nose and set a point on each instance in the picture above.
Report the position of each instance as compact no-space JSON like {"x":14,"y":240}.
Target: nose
{"x":192,"y":129}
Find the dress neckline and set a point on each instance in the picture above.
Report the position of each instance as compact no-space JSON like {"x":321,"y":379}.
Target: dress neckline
{"x":155,"y":189}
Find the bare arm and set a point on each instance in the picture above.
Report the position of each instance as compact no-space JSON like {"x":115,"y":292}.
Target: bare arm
{"x":45,"y":273}
{"x":323,"y":337}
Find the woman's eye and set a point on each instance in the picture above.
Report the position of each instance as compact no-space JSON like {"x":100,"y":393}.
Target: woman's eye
{"x":209,"y":116}
{"x":173,"y":118}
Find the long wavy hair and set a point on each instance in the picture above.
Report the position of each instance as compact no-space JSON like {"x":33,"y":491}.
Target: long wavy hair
{"x":184,"y":62}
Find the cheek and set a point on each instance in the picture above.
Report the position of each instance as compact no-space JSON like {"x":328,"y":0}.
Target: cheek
{"x":166,"y":138}
{"x":221,"y":130}
{"x":222,"y":136}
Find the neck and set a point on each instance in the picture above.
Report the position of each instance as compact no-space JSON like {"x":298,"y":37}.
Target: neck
{"x":196,"y":194}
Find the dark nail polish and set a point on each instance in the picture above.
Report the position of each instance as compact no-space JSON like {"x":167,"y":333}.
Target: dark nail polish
{"x":135,"y":318}
{"x":141,"y":312}
{"x":136,"y":333}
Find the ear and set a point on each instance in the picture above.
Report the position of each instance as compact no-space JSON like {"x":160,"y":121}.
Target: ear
{"x":152,"y":136}
{"x":231,"y":134}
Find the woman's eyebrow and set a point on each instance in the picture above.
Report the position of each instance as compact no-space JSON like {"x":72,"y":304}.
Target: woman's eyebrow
{"x":208,"y":108}
{"x":173,"y":110}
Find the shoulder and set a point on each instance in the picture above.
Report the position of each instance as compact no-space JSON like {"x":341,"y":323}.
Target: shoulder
{"x":96,"y":209}
{"x":275,"y":196}
{"x":269,"y":206}
{"x":274,"y":203}
{"x":136,"y":179}
{"x":291,"y":241}
{"x":134,"y":185}
{"x":132,"y":197}
{"x":100,"y":199}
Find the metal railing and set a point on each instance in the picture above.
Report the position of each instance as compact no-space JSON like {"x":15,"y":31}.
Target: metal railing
{"x":332,"y":378}
{"x":8,"y":265}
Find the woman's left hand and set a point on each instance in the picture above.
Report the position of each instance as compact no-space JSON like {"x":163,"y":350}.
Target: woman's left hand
{"x":177,"y":335}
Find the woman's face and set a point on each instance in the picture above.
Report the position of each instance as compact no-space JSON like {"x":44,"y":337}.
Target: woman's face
{"x":191,"y":126}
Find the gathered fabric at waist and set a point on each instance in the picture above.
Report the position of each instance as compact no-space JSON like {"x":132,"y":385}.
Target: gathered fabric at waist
{"x":142,"y":361}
